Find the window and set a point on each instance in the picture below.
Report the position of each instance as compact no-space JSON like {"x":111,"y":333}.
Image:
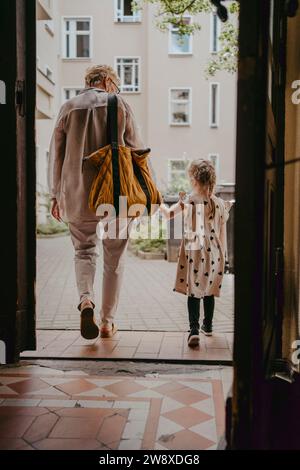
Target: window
{"x":177,"y":173}
{"x":124,"y":12}
{"x":77,"y":38}
{"x":214,"y":105}
{"x":214,"y":158}
{"x":215,"y":31}
{"x":69,"y":93}
{"x":128,"y":70}
{"x":180,"y":106}
{"x":180,"y":44}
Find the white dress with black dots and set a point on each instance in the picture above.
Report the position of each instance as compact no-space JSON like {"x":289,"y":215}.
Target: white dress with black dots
{"x":201,"y":262}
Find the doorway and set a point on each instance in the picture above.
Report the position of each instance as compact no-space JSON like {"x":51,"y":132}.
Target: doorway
{"x":152,"y":319}
{"x":256,"y":396}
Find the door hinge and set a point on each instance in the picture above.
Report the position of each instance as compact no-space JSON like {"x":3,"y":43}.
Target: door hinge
{"x":20,"y":97}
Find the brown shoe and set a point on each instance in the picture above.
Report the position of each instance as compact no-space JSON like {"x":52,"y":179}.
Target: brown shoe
{"x":88,"y":328}
{"x":107,"y":330}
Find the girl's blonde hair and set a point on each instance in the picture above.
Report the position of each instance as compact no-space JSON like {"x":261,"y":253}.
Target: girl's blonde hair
{"x":204,"y":173}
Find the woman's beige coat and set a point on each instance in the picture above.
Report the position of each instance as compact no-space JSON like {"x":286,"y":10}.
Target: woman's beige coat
{"x":80,"y":130}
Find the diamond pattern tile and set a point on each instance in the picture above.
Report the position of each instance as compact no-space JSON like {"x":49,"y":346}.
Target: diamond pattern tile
{"x":187,"y":416}
{"x":186,"y":440}
{"x":61,"y":410}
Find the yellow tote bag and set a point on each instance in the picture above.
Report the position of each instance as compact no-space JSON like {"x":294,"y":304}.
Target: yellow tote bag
{"x":122,"y":171}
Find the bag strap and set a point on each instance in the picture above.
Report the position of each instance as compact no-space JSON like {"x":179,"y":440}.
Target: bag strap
{"x":112,"y":139}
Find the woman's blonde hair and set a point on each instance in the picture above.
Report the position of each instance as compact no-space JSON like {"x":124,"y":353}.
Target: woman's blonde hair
{"x":204,"y":173}
{"x":96,"y":74}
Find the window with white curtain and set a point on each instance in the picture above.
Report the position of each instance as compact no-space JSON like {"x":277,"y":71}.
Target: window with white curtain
{"x":214,"y":99}
{"x":180,"y":44}
{"x":124,"y":12}
{"x":77,"y":38}
{"x":128,"y":69}
{"x":180,"y":106}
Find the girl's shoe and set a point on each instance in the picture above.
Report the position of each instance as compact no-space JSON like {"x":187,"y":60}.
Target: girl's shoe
{"x":206,"y":330}
{"x":194,"y":338}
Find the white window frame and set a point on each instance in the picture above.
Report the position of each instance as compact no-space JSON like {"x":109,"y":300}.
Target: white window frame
{"x":214,"y":15}
{"x":123,"y":90}
{"x":213,"y":124}
{"x":71,"y":88}
{"x":75,"y":33}
{"x":217,"y":165}
{"x":119,"y":16}
{"x":184,"y":124}
{"x":171,"y":30}
{"x":179,"y":172}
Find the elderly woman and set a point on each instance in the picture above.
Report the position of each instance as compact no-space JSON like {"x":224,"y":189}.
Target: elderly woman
{"x":81,"y":130}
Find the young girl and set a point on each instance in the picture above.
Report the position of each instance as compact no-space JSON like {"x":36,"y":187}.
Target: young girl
{"x":203,"y":251}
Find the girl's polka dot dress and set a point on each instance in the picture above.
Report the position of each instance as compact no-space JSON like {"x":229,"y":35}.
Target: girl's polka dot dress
{"x":201,"y":262}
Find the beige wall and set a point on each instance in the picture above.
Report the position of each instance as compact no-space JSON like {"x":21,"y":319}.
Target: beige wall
{"x":159,"y":72}
{"x":46,"y":95}
{"x":109,"y":40}
{"x":198,"y":140}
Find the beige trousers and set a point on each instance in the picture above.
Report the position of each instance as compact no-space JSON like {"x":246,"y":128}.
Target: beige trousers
{"x":86,"y":244}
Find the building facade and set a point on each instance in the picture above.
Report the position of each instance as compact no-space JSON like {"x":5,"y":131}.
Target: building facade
{"x":181,"y":114}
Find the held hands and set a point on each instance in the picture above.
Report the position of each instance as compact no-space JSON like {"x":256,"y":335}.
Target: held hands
{"x":55,"y":211}
{"x":182,"y":196}
{"x":171,"y":212}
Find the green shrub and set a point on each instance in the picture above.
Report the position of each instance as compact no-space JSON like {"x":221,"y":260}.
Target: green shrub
{"x":52,"y":228}
{"x":148,"y":245}
{"x":143,"y":239}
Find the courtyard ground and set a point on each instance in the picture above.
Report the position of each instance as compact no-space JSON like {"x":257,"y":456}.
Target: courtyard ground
{"x":147,"y":301}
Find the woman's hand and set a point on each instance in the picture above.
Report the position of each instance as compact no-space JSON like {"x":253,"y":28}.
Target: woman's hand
{"x":55,"y":211}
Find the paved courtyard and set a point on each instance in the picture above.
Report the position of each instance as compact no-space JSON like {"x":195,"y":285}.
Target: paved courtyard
{"x":147,"y":300}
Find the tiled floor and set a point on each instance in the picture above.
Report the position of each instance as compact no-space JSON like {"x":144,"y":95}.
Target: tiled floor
{"x":43,"y":408}
{"x":147,"y":300}
{"x":133,"y":345}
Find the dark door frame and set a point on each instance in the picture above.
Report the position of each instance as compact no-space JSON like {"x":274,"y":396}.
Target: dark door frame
{"x":255,"y":398}
{"x":264,"y":409}
{"x":18,"y":257}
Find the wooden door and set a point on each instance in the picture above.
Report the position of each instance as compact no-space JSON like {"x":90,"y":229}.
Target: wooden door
{"x":258,"y":219}
{"x":18,"y":70}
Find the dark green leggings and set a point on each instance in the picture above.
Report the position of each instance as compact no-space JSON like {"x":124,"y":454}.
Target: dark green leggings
{"x":194,"y":311}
